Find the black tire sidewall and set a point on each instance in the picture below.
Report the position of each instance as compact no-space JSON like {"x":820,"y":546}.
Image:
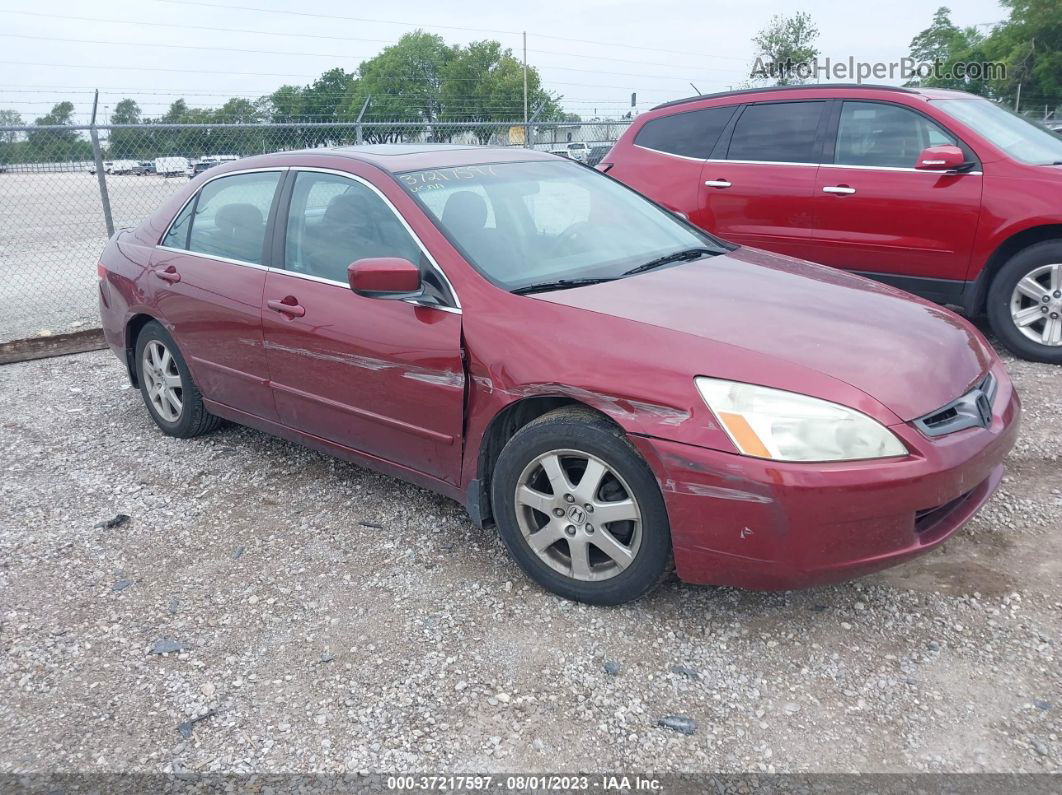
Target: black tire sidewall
{"x":599,"y":439}
{"x":999,"y":295}
{"x":184,"y":425}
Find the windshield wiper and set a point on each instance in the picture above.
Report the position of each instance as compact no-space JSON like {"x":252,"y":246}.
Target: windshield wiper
{"x":686,"y":255}
{"x":559,"y":284}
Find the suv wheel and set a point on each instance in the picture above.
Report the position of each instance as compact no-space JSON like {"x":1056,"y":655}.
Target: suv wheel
{"x":171,"y":396}
{"x":1025,"y":303}
{"x":579,"y":509}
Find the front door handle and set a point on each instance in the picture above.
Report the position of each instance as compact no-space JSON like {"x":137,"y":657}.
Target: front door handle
{"x":717,"y":183}
{"x":170,"y":275}
{"x":840,"y":190}
{"x":289,"y":305}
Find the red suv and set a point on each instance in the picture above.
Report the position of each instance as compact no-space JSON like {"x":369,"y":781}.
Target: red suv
{"x":942,"y":193}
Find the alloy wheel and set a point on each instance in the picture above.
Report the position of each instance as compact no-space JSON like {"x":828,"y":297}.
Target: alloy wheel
{"x":1036,"y":305}
{"x":163,"y":381}
{"x":578,"y":515}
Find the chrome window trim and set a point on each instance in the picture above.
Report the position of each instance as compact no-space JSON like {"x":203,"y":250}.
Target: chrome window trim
{"x":761,"y":162}
{"x":938,"y":172}
{"x":309,"y":277}
{"x":669,"y":154}
{"x":214,"y":257}
{"x":405,"y":224}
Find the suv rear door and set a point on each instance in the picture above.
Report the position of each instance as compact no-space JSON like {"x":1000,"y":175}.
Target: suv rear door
{"x":876,"y":213}
{"x":757,"y":189}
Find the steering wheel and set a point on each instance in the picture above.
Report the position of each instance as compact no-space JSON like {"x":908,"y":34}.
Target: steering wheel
{"x":574,"y":234}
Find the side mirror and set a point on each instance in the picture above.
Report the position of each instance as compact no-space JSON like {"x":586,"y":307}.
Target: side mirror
{"x":384,"y":277}
{"x":940,"y":158}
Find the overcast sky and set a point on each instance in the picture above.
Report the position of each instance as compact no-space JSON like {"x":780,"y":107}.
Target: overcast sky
{"x":594,"y":53}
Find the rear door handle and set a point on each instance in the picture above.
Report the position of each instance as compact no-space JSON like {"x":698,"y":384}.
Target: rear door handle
{"x":289,"y":306}
{"x":717,"y":183}
{"x":841,"y":190}
{"x":170,"y":275}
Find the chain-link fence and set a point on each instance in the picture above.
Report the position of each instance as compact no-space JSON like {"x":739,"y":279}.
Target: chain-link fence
{"x":64,"y":189}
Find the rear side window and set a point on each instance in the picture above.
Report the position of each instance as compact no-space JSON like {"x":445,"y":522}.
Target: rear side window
{"x":230,"y":216}
{"x":691,"y":134}
{"x":876,"y":134}
{"x":177,"y":237}
{"x":777,"y":132}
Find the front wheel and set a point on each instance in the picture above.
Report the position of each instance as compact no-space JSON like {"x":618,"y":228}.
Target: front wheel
{"x":579,"y":509}
{"x":1025,"y":303}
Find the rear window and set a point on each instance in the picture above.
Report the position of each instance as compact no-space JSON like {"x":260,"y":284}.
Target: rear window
{"x":690,"y":134}
{"x":777,"y":132}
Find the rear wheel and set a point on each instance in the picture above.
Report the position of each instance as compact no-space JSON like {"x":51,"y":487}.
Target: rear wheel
{"x":1025,"y":303}
{"x":171,"y":396}
{"x":579,"y":509}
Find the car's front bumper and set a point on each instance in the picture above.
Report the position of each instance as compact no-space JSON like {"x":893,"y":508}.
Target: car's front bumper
{"x":764,"y":524}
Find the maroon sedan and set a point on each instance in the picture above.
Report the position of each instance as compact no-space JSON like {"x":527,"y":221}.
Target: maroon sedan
{"x":607,"y":384}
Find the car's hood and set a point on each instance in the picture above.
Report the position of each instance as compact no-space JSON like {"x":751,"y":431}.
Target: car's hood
{"x":909,"y":355}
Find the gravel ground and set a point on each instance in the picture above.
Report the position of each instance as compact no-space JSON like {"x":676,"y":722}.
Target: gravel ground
{"x":265,"y":608}
{"x":51,"y":234}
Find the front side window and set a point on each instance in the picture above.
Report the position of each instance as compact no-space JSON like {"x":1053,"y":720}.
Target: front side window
{"x":230,"y":216}
{"x":690,"y":134}
{"x":785,"y":132}
{"x":879,"y":134}
{"x":334,"y":221}
{"x":1018,"y":137}
{"x":525,"y":224}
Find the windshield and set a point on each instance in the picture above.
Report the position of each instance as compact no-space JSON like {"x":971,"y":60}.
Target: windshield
{"x":524,"y":224}
{"x":1018,"y":137}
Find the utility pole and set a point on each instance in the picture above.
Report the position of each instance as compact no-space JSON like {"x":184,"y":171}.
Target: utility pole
{"x":101,"y":177}
{"x":525,"y":78}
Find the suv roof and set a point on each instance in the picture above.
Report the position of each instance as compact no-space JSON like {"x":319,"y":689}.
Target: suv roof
{"x":935,"y":92}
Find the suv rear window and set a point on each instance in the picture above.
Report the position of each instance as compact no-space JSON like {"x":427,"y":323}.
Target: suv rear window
{"x":777,"y":132}
{"x":690,"y":134}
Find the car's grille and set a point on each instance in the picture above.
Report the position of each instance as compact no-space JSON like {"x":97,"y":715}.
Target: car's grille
{"x":972,"y":410}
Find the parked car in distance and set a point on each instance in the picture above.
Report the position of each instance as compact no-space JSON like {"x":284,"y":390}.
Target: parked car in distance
{"x":575,"y":150}
{"x":107,"y":164}
{"x":171,"y":166}
{"x":147,"y":167}
{"x":939,"y":192}
{"x":597,"y":153}
{"x":598,"y":378}
{"x":209,"y":161}
{"x":124,"y":167}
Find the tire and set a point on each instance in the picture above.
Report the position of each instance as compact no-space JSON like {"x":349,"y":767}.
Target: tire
{"x":579,"y":441}
{"x":1039,"y":339}
{"x":191,"y":418}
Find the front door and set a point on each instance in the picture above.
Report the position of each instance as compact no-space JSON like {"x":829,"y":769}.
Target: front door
{"x":760,"y":192}
{"x":876,"y":213}
{"x":208,"y":279}
{"x":383,"y":377}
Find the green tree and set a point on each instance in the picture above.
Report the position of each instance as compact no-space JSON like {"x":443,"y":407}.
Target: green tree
{"x":58,"y":145}
{"x":125,"y":144}
{"x":1029,"y":44}
{"x":405,"y":83}
{"x":786,"y":43}
{"x":10,"y":118}
{"x":485,"y":83}
{"x":945,"y":45}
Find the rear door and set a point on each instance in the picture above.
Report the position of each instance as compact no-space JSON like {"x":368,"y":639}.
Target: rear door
{"x":207,"y":276}
{"x":758,"y":186}
{"x":383,"y":377}
{"x":876,"y":213}
{"x":665,"y":159}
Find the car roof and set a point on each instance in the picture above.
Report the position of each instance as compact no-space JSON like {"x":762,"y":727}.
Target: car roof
{"x":818,"y":89}
{"x":397,"y":158}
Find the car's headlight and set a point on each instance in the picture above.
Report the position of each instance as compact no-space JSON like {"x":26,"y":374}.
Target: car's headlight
{"x":786,"y":426}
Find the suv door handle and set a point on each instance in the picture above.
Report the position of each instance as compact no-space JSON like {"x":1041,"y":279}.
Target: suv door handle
{"x":289,"y":305}
{"x":170,"y":275}
{"x":841,"y":190}
{"x":717,"y":183}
